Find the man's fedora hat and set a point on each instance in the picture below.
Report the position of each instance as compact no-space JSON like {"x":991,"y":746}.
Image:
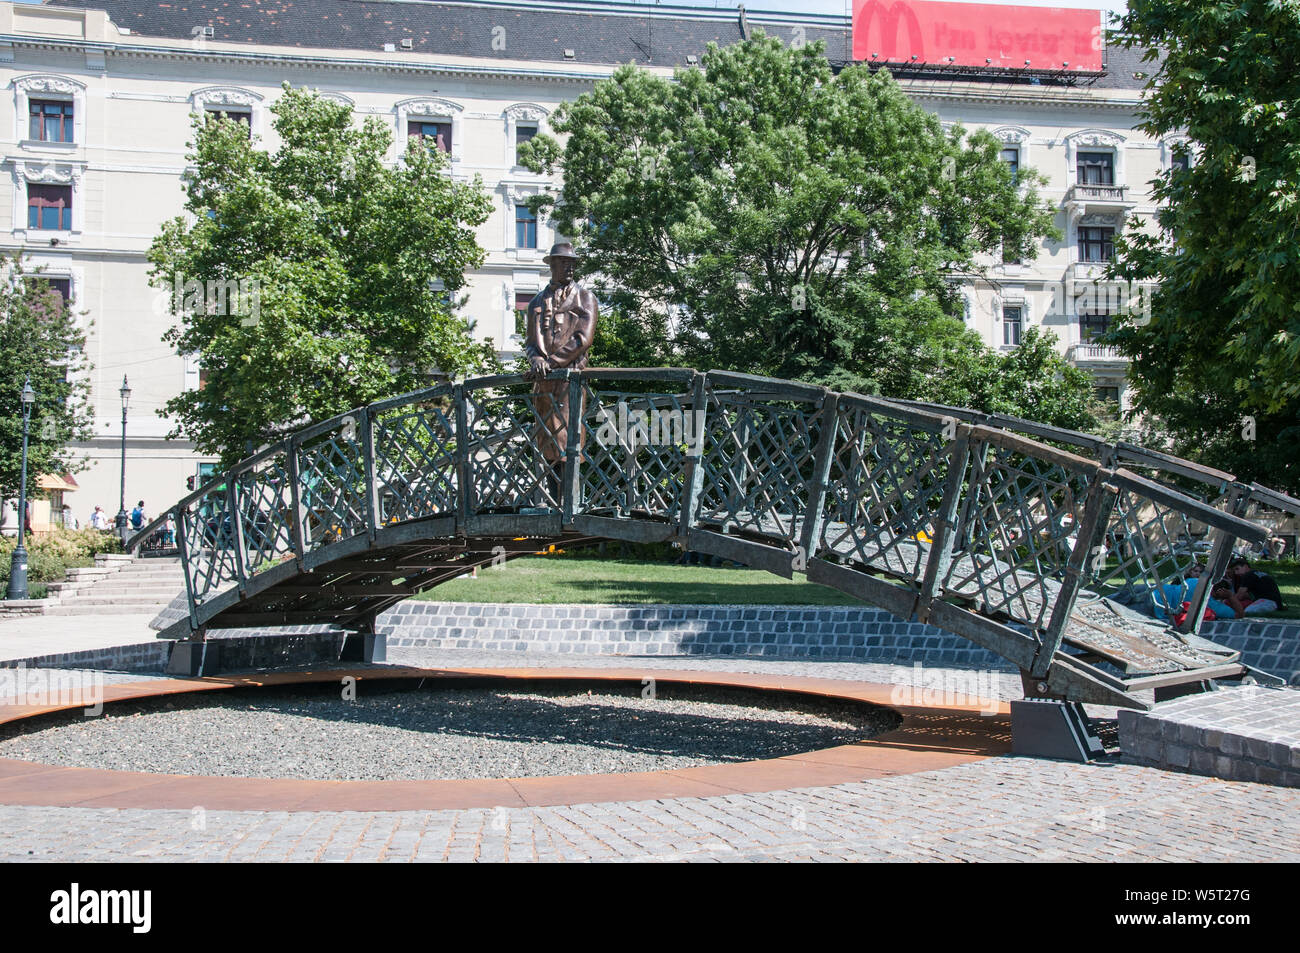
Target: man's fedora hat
{"x":560,"y":250}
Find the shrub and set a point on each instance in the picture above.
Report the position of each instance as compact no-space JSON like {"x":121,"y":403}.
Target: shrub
{"x":50,"y":556}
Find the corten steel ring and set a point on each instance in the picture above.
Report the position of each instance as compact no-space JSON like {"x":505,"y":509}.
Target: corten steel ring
{"x":929,"y":738}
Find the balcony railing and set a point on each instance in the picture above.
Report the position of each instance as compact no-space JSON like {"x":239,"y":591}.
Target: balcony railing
{"x":1088,"y":352}
{"x":1097,"y":194}
{"x":1088,"y":270}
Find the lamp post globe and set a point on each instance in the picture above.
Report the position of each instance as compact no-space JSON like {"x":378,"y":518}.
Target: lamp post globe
{"x":121,"y":520}
{"x":18,"y":568}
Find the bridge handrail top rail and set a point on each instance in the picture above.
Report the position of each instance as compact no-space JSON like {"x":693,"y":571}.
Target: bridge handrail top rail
{"x":1187,"y":468}
{"x":906,"y":410}
{"x":681,"y":374}
{"x":444,"y":389}
{"x":1274,"y":498}
{"x":249,"y":462}
{"x":769,"y":386}
{"x":1007,"y":422}
{"x":1202,"y":511}
{"x":1017,"y":442}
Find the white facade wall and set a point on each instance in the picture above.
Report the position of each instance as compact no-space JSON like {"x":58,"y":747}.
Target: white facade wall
{"x":133,"y":98}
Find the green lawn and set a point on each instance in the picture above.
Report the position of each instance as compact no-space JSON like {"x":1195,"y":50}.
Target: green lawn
{"x":584,"y":578}
{"x":592,"y":580}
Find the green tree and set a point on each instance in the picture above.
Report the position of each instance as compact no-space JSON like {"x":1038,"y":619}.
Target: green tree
{"x":305,"y":278}
{"x":1218,"y":361}
{"x":798,"y":223}
{"x":40,"y":339}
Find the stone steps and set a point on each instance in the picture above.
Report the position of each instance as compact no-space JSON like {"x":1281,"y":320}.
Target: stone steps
{"x":143,"y":603}
{"x":115,"y":585}
{"x":61,"y":609}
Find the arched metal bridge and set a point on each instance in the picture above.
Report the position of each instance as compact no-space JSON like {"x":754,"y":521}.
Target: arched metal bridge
{"x":1031,"y":541}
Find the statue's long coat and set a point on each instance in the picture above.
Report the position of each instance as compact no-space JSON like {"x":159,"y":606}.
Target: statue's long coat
{"x":561,"y":327}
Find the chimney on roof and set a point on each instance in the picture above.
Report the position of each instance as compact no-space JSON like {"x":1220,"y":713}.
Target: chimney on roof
{"x":744,"y":23}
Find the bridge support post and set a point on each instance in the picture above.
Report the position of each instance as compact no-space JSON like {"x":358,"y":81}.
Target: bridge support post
{"x":1048,"y":726}
{"x":365,"y":644}
{"x":194,"y":657}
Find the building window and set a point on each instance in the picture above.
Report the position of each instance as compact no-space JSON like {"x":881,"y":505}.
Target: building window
{"x":522,"y":298}
{"x":522,"y":135}
{"x":1181,"y":159}
{"x":1011,"y":156}
{"x":60,"y":286}
{"x":49,"y":207}
{"x":1010,"y":255}
{"x":1107,"y":394}
{"x":244,"y":116}
{"x":1012,"y":320}
{"x":525,"y":227}
{"x":50,"y":121}
{"x":1096,"y":244}
{"x":1096,"y":168}
{"x":1093,"y":326}
{"x":439,"y":133}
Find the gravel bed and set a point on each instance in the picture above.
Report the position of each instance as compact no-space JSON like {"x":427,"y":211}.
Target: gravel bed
{"x":423,"y":733}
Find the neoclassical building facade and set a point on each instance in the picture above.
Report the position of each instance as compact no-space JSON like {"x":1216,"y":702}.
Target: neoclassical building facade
{"x":102,"y":94}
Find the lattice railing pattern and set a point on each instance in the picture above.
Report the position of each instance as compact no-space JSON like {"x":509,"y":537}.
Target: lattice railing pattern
{"x":1018,"y":525}
{"x":207,"y":533}
{"x":334,"y":485}
{"x":634,"y":461}
{"x":508,"y":444}
{"x":415,"y":462}
{"x":264,"y":501}
{"x":757,"y":460}
{"x":1146,"y":545}
{"x":885,"y":490}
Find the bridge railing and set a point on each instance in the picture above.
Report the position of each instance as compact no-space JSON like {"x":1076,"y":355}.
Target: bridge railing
{"x":918,"y":508}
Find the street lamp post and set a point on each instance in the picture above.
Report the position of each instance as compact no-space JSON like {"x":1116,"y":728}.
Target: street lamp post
{"x":121,"y":520}
{"x":18,"y":570}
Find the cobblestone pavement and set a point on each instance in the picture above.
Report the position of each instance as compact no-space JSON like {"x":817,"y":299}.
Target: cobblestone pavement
{"x":1000,"y":809}
{"x":1003,"y":809}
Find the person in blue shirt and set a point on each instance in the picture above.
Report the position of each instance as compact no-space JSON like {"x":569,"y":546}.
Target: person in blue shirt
{"x":1176,"y":593}
{"x":137,"y":515}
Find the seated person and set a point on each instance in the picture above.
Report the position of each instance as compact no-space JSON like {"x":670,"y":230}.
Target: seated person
{"x":1224,"y":601}
{"x":1178,"y":593}
{"x":1257,"y":591}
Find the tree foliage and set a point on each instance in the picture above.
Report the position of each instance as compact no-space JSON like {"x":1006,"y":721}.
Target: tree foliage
{"x":763,"y":214}
{"x":39,"y":339}
{"x":1219,"y":361}
{"x":340,"y":255}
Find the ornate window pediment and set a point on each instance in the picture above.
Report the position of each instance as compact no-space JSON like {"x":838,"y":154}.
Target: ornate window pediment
{"x":1012,"y":135}
{"x":1096,"y":139}
{"x":213,"y":97}
{"x":47,"y":84}
{"x":525,"y":112}
{"x":433,"y":108}
{"x":47,"y":173}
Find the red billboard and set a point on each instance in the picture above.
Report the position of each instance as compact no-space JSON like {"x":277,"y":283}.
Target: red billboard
{"x":977,"y":34}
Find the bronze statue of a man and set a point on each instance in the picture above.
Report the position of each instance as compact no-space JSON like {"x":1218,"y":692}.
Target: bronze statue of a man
{"x":561,"y":326}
